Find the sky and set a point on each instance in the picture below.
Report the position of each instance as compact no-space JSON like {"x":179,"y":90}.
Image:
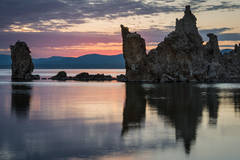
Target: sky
{"x":77,"y":27}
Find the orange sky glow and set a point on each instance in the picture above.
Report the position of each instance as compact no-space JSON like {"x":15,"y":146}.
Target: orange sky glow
{"x":77,"y":29}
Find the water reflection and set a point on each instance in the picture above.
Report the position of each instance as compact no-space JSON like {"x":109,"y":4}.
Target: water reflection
{"x":21,"y":97}
{"x":180,"y":105}
{"x":236,"y":99}
{"x":212,"y":105}
{"x":157,"y":121}
{"x":134,"y":109}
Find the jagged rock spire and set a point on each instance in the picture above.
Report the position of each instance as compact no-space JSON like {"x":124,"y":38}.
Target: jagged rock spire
{"x":188,"y":25}
{"x":22,"y":65}
{"x":182,"y":56}
{"x":134,"y":52}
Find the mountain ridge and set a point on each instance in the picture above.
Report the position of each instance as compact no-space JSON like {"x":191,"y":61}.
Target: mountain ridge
{"x":89,"y":61}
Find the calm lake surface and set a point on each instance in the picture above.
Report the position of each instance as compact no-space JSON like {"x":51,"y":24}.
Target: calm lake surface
{"x":51,"y":120}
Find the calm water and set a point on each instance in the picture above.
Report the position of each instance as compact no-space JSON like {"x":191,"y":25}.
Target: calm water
{"x":111,"y":120}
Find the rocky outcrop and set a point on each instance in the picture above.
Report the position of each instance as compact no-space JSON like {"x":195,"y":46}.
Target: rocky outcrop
{"x":61,"y":76}
{"x":237,"y":48}
{"x":134,"y":50}
{"x":122,"y":78}
{"x":84,"y":76}
{"x":93,"y":77}
{"x":22,"y":66}
{"x":212,"y":53}
{"x":182,"y":56}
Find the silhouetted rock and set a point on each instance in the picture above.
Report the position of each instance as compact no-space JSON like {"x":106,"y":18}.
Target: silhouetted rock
{"x":134,"y":50}
{"x":237,"y":48}
{"x":92,"y":77}
{"x":22,"y":66}
{"x":61,"y":76}
{"x":182,"y":56}
{"x":212,"y":48}
{"x":84,"y":76}
{"x":122,"y":78}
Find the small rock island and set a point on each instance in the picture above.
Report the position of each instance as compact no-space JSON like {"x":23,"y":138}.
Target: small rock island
{"x":181,"y":57}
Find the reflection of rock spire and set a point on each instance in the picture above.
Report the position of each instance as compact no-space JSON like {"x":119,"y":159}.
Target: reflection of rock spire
{"x":180,"y":105}
{"x":212,"y":106}
{"x":134,"y":110}
{"x":181,"y":108}
{"x":21,"y":96}
{"x":236,"y":99}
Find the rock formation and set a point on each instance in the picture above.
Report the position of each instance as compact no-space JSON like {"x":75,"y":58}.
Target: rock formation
{"x":84,"y":76}
{"x":237,"y":48}
{"x":92,"y":77}
{"x":61,"y":76}
{"x":22,"y":66}
{"x":134,"y":50}
{"x":182,"y":56}
{"x":122,"y":78}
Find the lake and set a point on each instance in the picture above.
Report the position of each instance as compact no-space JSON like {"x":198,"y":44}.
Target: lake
{"x":73,"y":120}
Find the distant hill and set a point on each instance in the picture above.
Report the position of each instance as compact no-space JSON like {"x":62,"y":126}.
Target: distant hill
{"x":90,"y":61}
{"x":5,"y":61}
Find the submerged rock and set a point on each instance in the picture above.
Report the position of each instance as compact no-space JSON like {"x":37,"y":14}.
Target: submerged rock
{"x":182,"y":56}
{"x":22,"y":65}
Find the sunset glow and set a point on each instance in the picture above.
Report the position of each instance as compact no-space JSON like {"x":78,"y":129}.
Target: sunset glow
{"x":74,"y":28}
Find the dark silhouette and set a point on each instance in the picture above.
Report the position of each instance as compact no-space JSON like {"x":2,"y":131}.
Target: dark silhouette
{"x":236,"y":100}
{"x":181,"y":108}
{"x":21,"y":98}
{"x":22,"y":65}
{"x":84,"y":76}
{"x":93,"y":61}
{"x":212,"y":105}
{"x":134,"y":109}
{"x":180,"y":57}
{"x":180,"y":105}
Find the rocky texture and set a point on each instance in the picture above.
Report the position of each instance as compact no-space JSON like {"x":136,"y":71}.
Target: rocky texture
{"x":61,"y":76}
{"x":122,"y":78}
{"x":22,"y":66}
{"x":92,"y":77}
{"x":182,"y":56}
{"x":84,"y":76}
{"x":212,"y":53}
{"x":134,"y":50}
{"x":237,"y":48}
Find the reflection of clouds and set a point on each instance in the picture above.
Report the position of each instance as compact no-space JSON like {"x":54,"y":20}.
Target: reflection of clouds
{"x":53,"y":139}
{"x":166,"y":116}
